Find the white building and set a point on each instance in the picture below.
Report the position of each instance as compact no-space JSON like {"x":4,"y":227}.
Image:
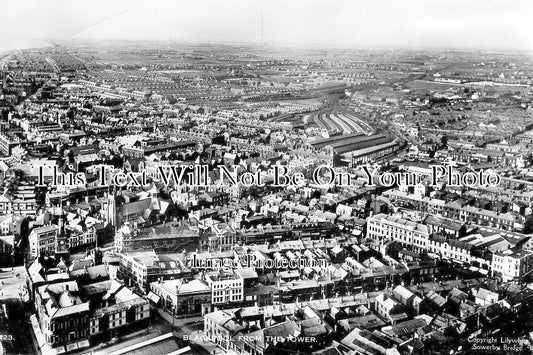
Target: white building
{"x":511,"y":265}
{"x":216,"y":330}
{"x":5,"y":224}
{"x":42,"y":240}
{"x":382,"y":228}
{"x":225,"y":287}
{"x":79,"y":237}
{"x":184,"y":297}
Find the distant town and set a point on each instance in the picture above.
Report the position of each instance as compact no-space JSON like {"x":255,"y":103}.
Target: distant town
{"x":163,"y":198}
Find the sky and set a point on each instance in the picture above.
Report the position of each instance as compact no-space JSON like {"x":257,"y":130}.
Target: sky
{"x":461,"y":24}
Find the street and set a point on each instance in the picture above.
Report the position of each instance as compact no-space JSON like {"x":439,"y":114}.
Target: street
{"x":13,"y":284}
{"x":183,"y":326}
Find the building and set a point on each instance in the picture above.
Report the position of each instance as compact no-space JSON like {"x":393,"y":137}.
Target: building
{"x":136,"y":212}
{"x":7,"y":244}
{"x":450,"y":249}
{"x":382,"y":227}
{"x":122,"y":308}
{"x":62,"y":316}
{"x":465,"y":213}
{"x":461,"y":212}
{"x":42,"y":240}
{"x":484,"y":297}
{"x":357,"y":148}
{"x":71,"y":314}
{"x":6,"y":224}
{"x":148,"y":147}
{"x":226,"y":287}
{"x":388,"y":308}
{"x":183,"y":297}
{"x":222,"y":236}
{"x":143,"y":268}
{"x":294,"y":231}
{"x":445,"y":226}
{"x":79,"y":238}
{"x":166,"y":238}
{"x":512,"y":266}
{"x":407,"y":298}
{"x":369,"y":154}
{"x":260,"y":295}
{"x":220,"y":327}
{"x":212,"y":198}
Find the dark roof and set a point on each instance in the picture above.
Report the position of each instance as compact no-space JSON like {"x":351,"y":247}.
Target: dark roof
{"x":443,"y":222}
{"x":84,"y":149}
{"x":260,"y":290}
{"x":359,"y":142}
{"x":320,"y":143}
{"x":137,"y":206}
{"x":377,"y":338}
{"x":370,"y":321}
{"x":408,"y":328}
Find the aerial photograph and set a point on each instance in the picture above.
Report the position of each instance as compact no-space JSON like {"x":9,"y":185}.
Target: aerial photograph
{"x":258,"y":177}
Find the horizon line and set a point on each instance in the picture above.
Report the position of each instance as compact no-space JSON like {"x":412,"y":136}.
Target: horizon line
{"x":266,"y":44}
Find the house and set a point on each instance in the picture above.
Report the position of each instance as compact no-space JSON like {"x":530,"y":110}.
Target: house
{"x":361,"y":341}
{"x":455,"y":298}
{"x":261,"y":295}
{"x":387,"y":306}
{"x":7,"y":244}
{"x":6,"y":224}
{"x":249,"y":276}
{"x":220,"y":327}
{"x":468,"y":309}
{"x":433,"y":303}
{"x":407,"y":298}
{"x":406,"y":330}
{"x":215,"y":198}
{"x":368,"y":322}
{"x":135,"y":212}
{"x":484,"y":297}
